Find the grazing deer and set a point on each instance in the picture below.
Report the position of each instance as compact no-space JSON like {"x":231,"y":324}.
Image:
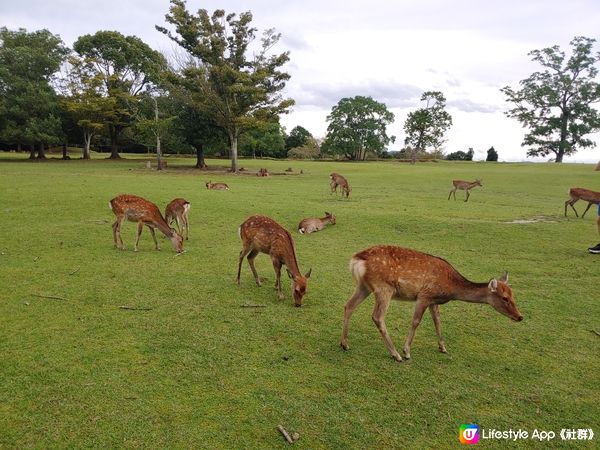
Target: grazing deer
{"x":465,"y":186}
{"x":264,"y":235}
{"x":137,"y":209}
{"x":217,"y":186}
{"x":405,"y":274}
{"x":311,"y":224}
{"x":592,"y":197}
{"x":178,"y":210}
{"x":337,"y":180}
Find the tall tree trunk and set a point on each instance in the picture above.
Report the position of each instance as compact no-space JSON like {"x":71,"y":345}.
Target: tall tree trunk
{"x":19,"y":149}
{"x":159,"y":163}
{"x":31,"y":151}
{"x":114,"y":146}
{"x":234,"y":152}
{"x":64,"y":150}
{"x":200,"y":163}
{"x":87,"y":139}
{"x":41,"y":151}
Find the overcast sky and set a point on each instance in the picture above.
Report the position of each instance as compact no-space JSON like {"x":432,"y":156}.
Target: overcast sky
{"x":390,"y":50}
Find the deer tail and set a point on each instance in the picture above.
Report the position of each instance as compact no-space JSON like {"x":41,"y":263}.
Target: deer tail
{"x":357,"y":268}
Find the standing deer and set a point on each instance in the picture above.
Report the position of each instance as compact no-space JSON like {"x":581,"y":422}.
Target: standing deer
{"x":575,"y":194}
{"x":465,"y":186}
{"x":217,"y":186}
{"x":262,"y":234}
{"x":311,"y":224}
{"x":144,"y":212}
{"x":337,"y":180}
{"x":405,"y":274}
{"x":178,"y":210}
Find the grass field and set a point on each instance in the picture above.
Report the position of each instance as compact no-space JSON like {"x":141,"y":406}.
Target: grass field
{"x":193,"y":369}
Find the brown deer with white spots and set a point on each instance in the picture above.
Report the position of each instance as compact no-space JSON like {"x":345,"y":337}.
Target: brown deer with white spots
{"x":261,"y":234}
{"x":465,"y":186}
{"x":177,"y":210}
{"x":405,"y":274}
{"x":575,"y":194}
{"x":144,"y":212}
{"x":312,"y":224}
{"x":338,"y":180}
{"x":217,"y":186}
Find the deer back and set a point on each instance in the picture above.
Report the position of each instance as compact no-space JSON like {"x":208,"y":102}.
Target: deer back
{"x":584,"y":194}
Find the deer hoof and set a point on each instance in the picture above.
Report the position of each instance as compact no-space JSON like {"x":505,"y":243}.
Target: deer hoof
{"x":344,"y":345}
{"x":397,"y":357}
{"x":443,"y":349}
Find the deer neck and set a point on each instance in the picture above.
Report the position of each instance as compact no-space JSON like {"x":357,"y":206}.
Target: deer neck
{"x":471,"y":292}
{"x":289,"y":257}
{"x":161,"y":224}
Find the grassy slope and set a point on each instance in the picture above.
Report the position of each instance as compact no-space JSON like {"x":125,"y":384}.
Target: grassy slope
{"x":199,"y":371}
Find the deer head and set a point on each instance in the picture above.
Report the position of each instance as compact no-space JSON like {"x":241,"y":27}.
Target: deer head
{"x":500,"y":297}
{"x":299,"y":284}
{"x":331,"y":217}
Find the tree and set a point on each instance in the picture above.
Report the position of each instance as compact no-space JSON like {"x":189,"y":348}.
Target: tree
{"x":461,"y":156}
{"x":238,"y":91}
{"x":492,"y":154}
{"x":28,"y":103}
{"x":127,"y":66}
{"x":556,"y":103}
{"x":425,"y":127}
{"x":310,"y":150}
{"x":298,"y":137}
{"x":358,"y":125}
{"x":265,"y":140}
{"x":154,"y":124}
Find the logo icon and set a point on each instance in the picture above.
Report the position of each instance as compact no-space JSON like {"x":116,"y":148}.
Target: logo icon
{"x":468,"y":433}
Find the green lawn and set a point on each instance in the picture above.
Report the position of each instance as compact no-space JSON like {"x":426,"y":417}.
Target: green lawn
{"x":195,"y":370}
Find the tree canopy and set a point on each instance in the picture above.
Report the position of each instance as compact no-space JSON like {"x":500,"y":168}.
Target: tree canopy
{"x":555,"y":104}
{"x":238,"y":88}
{"x":492,"y":154}
{"x":298,"y":137}
{"x":358,"y":125}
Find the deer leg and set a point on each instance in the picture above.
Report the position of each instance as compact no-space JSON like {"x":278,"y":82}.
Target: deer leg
{"x":417,"y":316}
{"x":251,"y":257}
{"x":115,"y":227}
{"x":435,"y":314}
{"x":572,"y":207}
{"x":452,"y":191}
{"x":277,"y":268}
{"x":140,"y":227}
{"x":153,"y":237}
{"x":360,"y":294}
{"x":186,"y":224}
{"x":586,"y":209}
{"x":243,"y":253}
{"x":382,"y":302}
{"x":467,"y":195}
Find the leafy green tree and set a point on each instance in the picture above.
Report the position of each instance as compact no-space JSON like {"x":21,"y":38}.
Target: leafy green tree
{"x":309,"y":150}
{"x":425,"y":127}
{"x":492,"y":154}
{"x":298,"y":137}
{"x":265,"y":140}
{"x":239,"y":89}
{"x":556,"y":103}
{"x":127,"y":66}
{"x":154,"y":123}
{"x":29,"y":112}
{"x":358,"y":125}
{"x":461,"y":156}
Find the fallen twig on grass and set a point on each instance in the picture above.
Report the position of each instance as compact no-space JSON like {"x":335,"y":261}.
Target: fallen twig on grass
{"x":250,"y":305}
{"x":55,"y":297}
{"x":285,"y":434}
{"x":179,"y":254}
{"x":134,"y":308}
{"x":74,"y":272}
{"x":595,"y":332}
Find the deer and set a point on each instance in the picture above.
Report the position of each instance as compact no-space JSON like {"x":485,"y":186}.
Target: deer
{"x":406,"y":274}
{"x":338,"y":180}
{"x":465,"y":186}
{"x":144,"y":212}
{"x":261,"y":234}
{"x":217,"y":186}
{"x":311,"y":224}
{"x":177,"y":210}
{"x":575,"y":194}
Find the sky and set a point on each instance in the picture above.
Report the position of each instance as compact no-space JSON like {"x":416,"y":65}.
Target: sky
{"x":390,"y":50}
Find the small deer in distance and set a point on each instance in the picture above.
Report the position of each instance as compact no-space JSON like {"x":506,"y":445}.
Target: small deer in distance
{"x":178,"y":210}
{"x":575,"y":194}
{"x":262,"y":234}
{"x":465,"y":186}
{"x":312,"y":224}
{"x":217,"y":186}
{"x":405,"y":274}
{"x":338,"y":180}
{"x":144,"y":212}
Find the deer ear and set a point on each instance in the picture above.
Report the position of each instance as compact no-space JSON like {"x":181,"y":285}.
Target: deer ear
{"x":504,"y":277}
{"x":307,"y":275}
{"x":289,"y":274}
{"x":493,"y":285}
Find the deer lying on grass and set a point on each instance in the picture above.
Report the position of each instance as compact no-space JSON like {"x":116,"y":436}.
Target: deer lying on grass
{"x":465,"y":186}
{"x":144,"y":212}
{"x":217,"y":186}
{"x":337,"y":180}
{"x":264,"y":235}
{"x":311,"y":224}
{"x":405,"y":274}
{"x":178,"y":210}
{"x":575,"y":194}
